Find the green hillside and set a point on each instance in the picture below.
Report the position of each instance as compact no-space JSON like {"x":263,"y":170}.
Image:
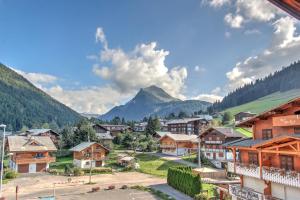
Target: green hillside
{"x":22,"y":104}
{"x":266,"y":103}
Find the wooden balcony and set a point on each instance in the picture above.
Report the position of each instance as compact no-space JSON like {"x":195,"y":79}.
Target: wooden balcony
{"x":289,"y":120}
{"x":244,"y":193}
{"x":244,"y":169}
{"x":281,"y":176}
{"x":48,"y":159}
{"x":167,"y":146}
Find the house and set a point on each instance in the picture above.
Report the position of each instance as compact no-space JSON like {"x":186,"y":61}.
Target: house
{"x":116,"y":129}
{"x":86,"y":154}
{"x":103,"y":135}
{"x":212,"y":141}
{"x":55,"y":137}
{"x":269,"y":163}
{"x":188,"y":126}
{"x":125,"y":160}
{"x":178,"y":144}
{"x":30,"y":154}
{"x":241,"y":116}
{"x":140,"y":127}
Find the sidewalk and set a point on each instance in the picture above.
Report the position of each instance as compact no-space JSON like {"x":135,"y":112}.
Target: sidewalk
{"x":165,"y":188}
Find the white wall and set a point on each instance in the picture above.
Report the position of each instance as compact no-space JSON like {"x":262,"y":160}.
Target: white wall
{"x":285,"y":192}
{"x":84,"y":163}
{"x":256,"y":184}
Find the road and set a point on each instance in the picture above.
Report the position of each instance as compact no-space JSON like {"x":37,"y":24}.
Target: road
{"x":41,"y":185}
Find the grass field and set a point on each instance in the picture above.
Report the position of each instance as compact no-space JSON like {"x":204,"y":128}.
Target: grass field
{"x":245,"y":132}
{"x":61,"y":163}
{"x":266,"y":103}
{"x":150,"y":164}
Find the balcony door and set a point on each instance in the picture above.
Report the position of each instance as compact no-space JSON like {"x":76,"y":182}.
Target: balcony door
{"x":287,"y":162}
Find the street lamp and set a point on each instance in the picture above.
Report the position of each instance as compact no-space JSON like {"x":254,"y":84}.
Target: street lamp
{"x":2,"y":157}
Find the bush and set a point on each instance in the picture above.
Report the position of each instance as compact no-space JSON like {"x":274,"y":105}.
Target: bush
{"x":202,"y":196}
{"x":54,"y":171}
{"x":183,"y":179}
{"x":78,"y":172}
{"x":9,"y":174}
{"x":99,"y":170}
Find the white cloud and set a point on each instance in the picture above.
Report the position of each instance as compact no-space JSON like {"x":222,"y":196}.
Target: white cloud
{"x":235,"y":21}
{"x":208,"y":97}
{"x":199,"y":69}
{"x":283,"y":50}
{"x":252,"y":32}
{"x":216,"y":3}
{"x":139,"y":68}
{"x":100,"y":37}
{"x":38,"y":79}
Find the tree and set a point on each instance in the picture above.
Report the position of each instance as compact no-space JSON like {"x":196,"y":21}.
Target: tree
{"x":116,"y":120}
{"x":182,"y":115}
{"x":227,"y":118}
{"x":84,"y":132}
{"x":67,"y":137}
{"x":152,"y":126}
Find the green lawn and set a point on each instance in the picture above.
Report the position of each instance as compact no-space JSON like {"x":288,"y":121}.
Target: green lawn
{"x":154,"y":165}
{"x":243,"y":131}
{"x":266,"y":103}
{"x":61,"y":163}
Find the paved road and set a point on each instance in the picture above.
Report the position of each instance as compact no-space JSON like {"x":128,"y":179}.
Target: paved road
{"x":165,"y":188}
{"x":175,"y":159}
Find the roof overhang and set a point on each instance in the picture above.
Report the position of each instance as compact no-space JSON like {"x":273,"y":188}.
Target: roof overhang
{"x":290,"y":6}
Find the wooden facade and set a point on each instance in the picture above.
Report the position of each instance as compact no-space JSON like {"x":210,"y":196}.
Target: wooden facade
{"x":272,"y":157}
{"x":192,"y":126}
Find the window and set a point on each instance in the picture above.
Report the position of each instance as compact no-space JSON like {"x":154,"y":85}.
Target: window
{"x":267,"y":134}
{"x":297,"y":130}
{"x":287,"y":162}
{"x":253,"y":158}
{"x":221,"y":154}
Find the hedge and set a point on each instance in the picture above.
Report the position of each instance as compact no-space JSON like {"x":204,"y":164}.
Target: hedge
{"x":183,"y":179}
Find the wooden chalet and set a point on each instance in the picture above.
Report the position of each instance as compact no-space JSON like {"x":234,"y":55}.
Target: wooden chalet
{"x":188,"y":126}
{"x":116,"y":129}
{"x":55,"y":137}
{"x":30,"y":154}
{"x":178,"y":144}
{"x":103,"y":135}
{"x":212,"y":141}
{"x":242,"y":116}
{"x":86,"y":154}
{"x":269,"y":163}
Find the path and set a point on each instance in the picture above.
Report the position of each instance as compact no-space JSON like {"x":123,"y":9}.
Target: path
{"x":165,"y":188}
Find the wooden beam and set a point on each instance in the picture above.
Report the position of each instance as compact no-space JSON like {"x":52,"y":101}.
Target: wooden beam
{"x":282,"y":152}
{"x":282,"y":145}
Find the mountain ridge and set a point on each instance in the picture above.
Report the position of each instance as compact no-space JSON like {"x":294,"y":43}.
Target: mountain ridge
{"x":154,"y":101}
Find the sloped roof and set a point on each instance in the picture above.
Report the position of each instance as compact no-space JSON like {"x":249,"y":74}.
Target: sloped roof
{"x":104,"y":136}
{"x":181,"y":137}
{"x":269,"y":112}
{"x":227,"y":131}
{"x":39,"y":131}
{"x":24,"y":143}
{"x":162,"y":133}
{"x":84,"y":145}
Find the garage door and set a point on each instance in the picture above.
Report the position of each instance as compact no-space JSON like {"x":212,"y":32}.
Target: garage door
{"x":41,"y":167}
{"x":24,"y":168}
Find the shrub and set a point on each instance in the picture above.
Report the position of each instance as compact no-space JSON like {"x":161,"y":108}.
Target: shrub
{"x":183,"y":179}
{"x":9,"y":174}
{"x":202,"y":196}
{"x":124,"y":187}
{"x":78,"y":172}
{"x":111,"y":187}
{"x":54,"y":171}
{"x":99,"y":170}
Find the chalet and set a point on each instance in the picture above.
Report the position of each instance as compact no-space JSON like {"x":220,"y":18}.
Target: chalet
{"x":140,"y":127}
{"x":188,"y":126}
{"x":178,"y":144}
{"x":269,"y":163}
{"x":55,"y":137}
{"x":86,"y":154}
{"x":116,"y":129}
{"x":30,"y":154}
{"x":160,"y":134}
{"x":103,"y":135}
{"x":241,"y":116}
{"x":212,"y":141}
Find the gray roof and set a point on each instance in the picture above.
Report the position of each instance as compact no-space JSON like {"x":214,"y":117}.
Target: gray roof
{"x":162,"y":133}
{"x":24,"y":143}
{"x":82,"y":146}
{"x":85,"y":145}
{"x":104,"y":136}
{"x":182,"y":137}
{"x":39,"y":131}
{"x":227,"y":131}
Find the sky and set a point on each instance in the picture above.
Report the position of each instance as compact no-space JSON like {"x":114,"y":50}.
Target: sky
{"x":93,"y":55}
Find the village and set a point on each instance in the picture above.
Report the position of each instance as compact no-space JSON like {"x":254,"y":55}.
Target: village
{"x":255,"y":156}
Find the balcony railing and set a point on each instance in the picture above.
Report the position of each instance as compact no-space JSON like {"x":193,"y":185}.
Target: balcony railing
{"x":213,"y":142}
{"x":48,"y":159}
{"x":291,"y":178}
{"x":167,"y":146}
{"x":288,"y":120}
{"x":213,"y":150}
{"x":247,"y":170}
{"x":230,"y":167}
{"x":244,"y":193}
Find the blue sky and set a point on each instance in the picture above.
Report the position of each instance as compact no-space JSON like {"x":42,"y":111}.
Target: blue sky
{"x":53,"y":44}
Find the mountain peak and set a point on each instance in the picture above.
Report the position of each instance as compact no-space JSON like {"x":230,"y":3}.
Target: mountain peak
{"x":157,"y":93}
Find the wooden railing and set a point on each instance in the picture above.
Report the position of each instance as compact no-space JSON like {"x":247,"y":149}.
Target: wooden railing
{"x":288,"y":120}
{"x":167,"y":146}
{"x":48,"y":159}
{"x":291,"y":178}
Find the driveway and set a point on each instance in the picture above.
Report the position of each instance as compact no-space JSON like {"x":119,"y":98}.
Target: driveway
{"x":41,"y":185}
{"x":175,"y":159}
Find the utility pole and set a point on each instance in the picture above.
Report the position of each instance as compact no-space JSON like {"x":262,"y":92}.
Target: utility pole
{"x":2,"y":158}
{"x":199,"y":152}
